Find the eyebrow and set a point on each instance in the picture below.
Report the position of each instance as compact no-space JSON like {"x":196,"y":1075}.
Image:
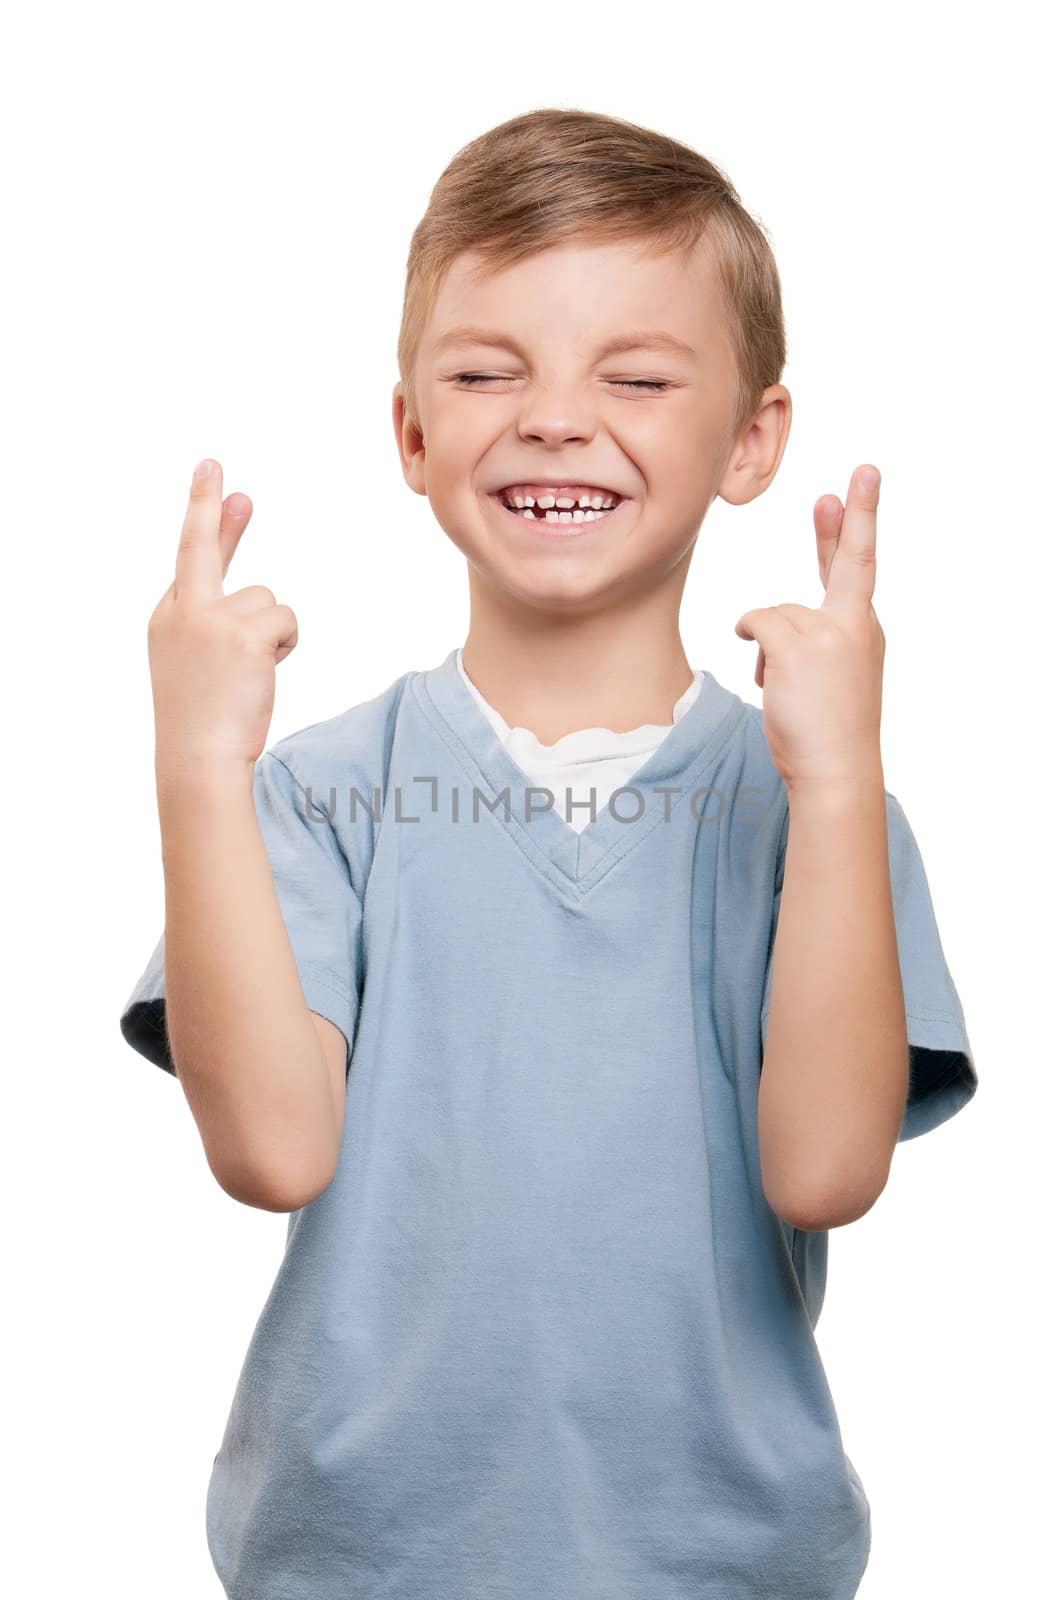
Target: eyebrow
{"x":638,"y":339}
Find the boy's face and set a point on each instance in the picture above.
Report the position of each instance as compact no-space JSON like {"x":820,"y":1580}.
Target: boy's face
{"x":554,"y":405}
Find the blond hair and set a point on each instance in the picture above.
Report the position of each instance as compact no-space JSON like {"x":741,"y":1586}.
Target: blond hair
{"x":560,"y":175}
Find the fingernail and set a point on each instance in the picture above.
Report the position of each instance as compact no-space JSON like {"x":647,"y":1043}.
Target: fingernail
{"x":237,"y":505}
{"x":203,"y":469}
{"x":871,"y":478}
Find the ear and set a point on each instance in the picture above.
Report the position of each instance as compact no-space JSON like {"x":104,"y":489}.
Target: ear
{"x":410,"y":441}
{"x":758,"y":451}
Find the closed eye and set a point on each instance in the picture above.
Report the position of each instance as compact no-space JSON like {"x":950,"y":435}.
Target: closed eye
{"x":467,"y":379}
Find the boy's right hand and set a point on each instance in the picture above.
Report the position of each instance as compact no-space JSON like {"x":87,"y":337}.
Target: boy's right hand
{"x":213,"y":656}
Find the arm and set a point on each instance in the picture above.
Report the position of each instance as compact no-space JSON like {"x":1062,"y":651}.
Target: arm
{"x":834,"y":1081}
{"x":266,"y":1099}
{"x":250,"y":1057}
{"x":834,"y":1078}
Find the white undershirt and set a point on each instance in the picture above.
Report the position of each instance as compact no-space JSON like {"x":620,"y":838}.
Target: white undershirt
{"x":597,"y":759}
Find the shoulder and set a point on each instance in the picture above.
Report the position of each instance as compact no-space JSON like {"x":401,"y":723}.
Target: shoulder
{"x":355,"y":741}
{"x":745,"y":793}
{"x":339,"y":767}
{"x":759,"y":785}
{"x":755,"y":740}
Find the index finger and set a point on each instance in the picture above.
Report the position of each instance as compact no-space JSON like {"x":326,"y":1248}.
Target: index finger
{"x":852,"y":571}
{"x":199,"y":564}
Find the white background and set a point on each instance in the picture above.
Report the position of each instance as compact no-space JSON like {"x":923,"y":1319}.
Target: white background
{"x":207,"y":210}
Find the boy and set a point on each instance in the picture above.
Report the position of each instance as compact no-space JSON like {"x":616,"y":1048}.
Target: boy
{"x":560,"y":1167}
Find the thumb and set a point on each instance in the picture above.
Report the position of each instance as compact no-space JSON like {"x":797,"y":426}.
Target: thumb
{"x":751,"y":624}
{"x":760,"y":625}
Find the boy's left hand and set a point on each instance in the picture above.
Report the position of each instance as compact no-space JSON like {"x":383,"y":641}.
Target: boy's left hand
{"x":821,"y":671}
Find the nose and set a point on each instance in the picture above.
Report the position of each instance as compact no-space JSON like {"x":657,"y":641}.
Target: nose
{"x":556,"y":419}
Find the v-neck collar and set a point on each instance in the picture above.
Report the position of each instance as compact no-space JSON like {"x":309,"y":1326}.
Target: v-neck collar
{"x":572,"y":859}
{"x":585,"y":747}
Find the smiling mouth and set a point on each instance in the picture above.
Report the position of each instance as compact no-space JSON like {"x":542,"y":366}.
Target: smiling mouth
{"x":566,"y":517}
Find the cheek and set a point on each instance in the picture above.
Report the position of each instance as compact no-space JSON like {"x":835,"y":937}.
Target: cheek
{"x":668,"y":448}
{"x":455,"y":436}
{"x":685,"y":475}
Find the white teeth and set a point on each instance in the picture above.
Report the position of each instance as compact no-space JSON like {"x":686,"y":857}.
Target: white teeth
{"x":562,"y":502}
{"x":565,"y":516}
{"x":560,"y":507}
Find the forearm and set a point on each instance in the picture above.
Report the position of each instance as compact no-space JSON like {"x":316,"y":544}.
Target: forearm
{"x":246,"y":1050}
{"x":834,"y":1078}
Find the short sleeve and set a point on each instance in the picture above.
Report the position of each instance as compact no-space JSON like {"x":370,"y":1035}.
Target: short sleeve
{"x":320,"y":904}
{"x":941,"y":1071}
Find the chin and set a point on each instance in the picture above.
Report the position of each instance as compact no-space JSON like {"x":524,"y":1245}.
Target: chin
{"x":542,"y":586}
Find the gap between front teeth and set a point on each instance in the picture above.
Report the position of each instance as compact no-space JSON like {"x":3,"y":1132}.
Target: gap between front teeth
{"x":586,"y":511}
{"x":561,"y":516}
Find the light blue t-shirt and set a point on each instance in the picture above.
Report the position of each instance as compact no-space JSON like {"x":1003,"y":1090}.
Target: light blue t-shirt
{"x":543,"y":1335}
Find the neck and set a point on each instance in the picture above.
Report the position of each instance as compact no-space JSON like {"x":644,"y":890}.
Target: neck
{"x":555,"y":676}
